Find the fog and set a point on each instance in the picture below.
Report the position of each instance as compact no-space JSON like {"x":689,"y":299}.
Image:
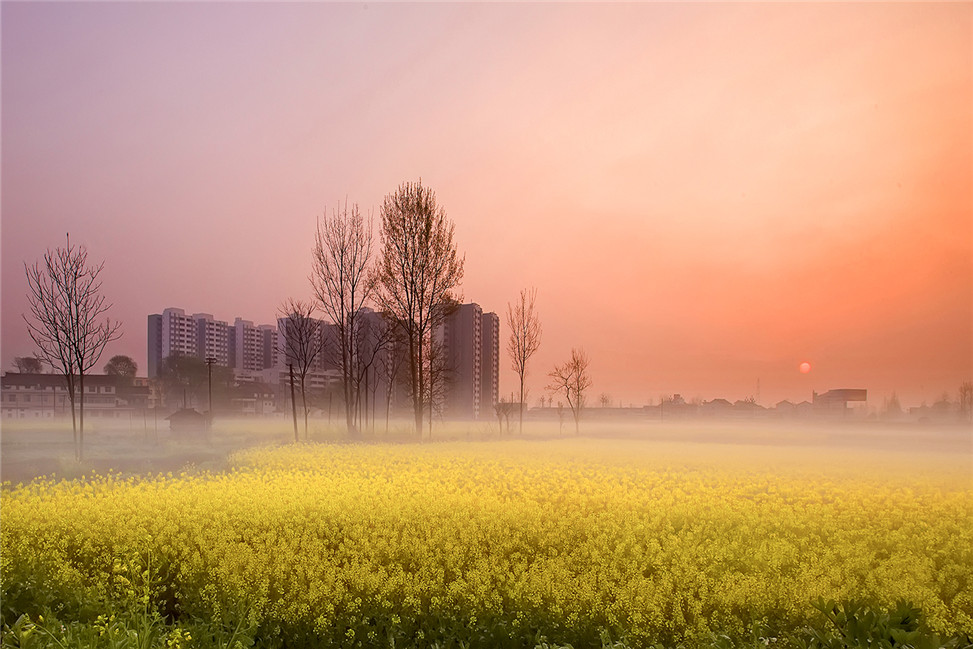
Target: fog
{"x":33,"y":448}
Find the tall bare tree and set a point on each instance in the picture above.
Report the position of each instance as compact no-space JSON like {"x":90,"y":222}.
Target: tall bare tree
{"x":524,"y":340}
{"x":572,"y":380}
{"x":302,"y":343}
{"x":373,"y":338}
{"x":419,"y":270}
{"x":438,"y":373}
{"x":66,"y":308}
{"x":391,"y":362}
{"x":342,"y":282}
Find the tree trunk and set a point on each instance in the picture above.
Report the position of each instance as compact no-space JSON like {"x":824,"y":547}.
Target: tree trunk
{"x":72,"y":395}
{"x":304,"y":404}
{"x":415,"y":361}
{"x":350,"y":409}
{"x":521,"y":404}
{"x":388,"y":406}
{"x":81,"y":417}
{"x":290,"y":368}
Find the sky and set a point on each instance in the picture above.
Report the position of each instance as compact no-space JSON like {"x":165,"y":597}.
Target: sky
{"x":705,"y":196}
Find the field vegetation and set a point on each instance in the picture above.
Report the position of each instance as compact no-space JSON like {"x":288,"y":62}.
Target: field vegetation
{"x":719,"y":538}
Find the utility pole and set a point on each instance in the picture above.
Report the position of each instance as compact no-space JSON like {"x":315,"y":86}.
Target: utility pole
{"x":209,"y":370}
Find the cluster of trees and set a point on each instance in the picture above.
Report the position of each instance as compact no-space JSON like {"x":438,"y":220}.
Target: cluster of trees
{"x":570,"y":379}
{"x":411,"y":275}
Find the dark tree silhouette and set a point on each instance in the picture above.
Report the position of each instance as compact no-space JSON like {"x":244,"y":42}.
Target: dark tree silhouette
{"x":183,"y":379}
{"x":572,"y":380}
{"x":524,"y":340}
{"x":66,"y":310}
{"x":302,"y":344}
{"x":121,"y":366}
{"x":342,"y":283}
{"x":29,"y":365}
{"x":417,"y":273}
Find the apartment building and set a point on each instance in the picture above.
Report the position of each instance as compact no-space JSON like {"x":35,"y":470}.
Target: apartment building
{"x":469,"y":342}
{"x":489,"y":363}
{"x":212,"y":338}
{"x":242,"y":346}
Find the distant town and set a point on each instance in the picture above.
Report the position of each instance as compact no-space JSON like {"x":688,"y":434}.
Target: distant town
{"x":200,"y":363}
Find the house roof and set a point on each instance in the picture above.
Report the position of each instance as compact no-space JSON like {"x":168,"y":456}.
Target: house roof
{"x":122,"y":384}
{"x":10,"y":379}
{"x":844,"y":394}
{"x":186,"y":414}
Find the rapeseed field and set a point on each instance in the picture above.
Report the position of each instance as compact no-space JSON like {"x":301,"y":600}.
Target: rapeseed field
{"x":521,"y":543}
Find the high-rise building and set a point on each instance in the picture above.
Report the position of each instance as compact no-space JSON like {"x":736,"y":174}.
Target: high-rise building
{"x":211,"y":338}
{"x":460,"y":340}
{"x":154,"y":345}
{"x":489,"y":363}
{"x":268,"y":346}
{"x":248,"y":347}
{"x":179,"y":333}
{"x":242,"y":346}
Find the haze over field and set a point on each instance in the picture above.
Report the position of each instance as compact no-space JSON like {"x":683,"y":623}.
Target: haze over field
{"x":704,"y":195}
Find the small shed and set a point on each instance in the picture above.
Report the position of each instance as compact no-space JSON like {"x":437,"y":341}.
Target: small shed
{"x":188,"y":420}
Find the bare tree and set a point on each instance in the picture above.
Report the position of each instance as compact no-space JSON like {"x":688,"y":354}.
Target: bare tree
{"x":573,"y":381}
{"x":341,"y":278}
{"x":29,"y":364}
{"x":373,"y":339}
{"x":503,"y":410}
{"x":418,"y":271}
{"x":525,"y":338}
{"x":302,"y":343}
{"x":391,"y":361}
{"x":439,"y":373}
{"x":966,"y":400}
{"x":66,"y":308}
{"x":605,"y":400}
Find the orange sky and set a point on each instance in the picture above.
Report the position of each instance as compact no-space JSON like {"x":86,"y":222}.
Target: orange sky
{"x":704,"y":195}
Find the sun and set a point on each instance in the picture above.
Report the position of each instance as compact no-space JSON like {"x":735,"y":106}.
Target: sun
{"x":805,"y":367}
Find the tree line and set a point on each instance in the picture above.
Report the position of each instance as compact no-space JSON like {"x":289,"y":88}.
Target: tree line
{"x":411,"y":274}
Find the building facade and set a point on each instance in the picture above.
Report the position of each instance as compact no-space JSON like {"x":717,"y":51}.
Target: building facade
{"x":45,"y":396}
{"x":466,"y":358}
{"x":489,"y":363}
{"x":242,"y":346}
{"x":211,"y":339}
{"x":468,"y":342}
{"x":459,"y":343}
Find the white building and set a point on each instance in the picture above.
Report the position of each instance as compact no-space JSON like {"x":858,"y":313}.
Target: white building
{"x":211,"y":339}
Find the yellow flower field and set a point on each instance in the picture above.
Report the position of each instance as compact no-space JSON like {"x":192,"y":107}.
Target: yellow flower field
{"x":398,"y":545}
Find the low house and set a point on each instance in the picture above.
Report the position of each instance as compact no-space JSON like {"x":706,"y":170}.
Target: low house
{"x":188,"y":420}
{"x":30,"y":396}
{"x":835,"y":402}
